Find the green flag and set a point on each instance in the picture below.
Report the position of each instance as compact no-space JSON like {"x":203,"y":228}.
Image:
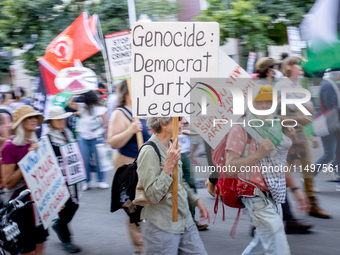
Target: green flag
{"x":61,"y":99}
{"x":320,"y":29}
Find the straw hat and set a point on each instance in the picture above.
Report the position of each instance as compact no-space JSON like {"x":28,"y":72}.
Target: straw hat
{"x":24,"y":112}
{"x":264,"y":63}
{"x":58,"y":113}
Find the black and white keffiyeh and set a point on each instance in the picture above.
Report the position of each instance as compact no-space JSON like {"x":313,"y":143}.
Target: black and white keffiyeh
{"x":273,"y":170}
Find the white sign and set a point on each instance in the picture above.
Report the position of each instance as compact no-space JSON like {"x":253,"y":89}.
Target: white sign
{"x":234,"y":75}
{"x":118,"y":47}
{"x":43,"y":177}
{"x":294,"y":39}
{"x":73,"y":163}
{"x":251,"y":62}
{"x":165,"y":55}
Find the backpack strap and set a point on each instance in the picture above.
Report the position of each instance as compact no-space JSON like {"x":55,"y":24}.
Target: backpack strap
{"x":154,"y":146}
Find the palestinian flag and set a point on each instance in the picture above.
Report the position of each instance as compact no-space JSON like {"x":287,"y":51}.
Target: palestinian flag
{"x":320,"y":29}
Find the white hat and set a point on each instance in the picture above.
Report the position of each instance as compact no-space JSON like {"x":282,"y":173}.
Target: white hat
{"x":57,"y":113}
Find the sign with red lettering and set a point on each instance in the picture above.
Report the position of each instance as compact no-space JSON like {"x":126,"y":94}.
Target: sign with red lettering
{"x":73,"y":163}
{"x":165,"y":56}
{"x":118,"y":47}
{"x":219,"y":109}
{"x":43,"y":177}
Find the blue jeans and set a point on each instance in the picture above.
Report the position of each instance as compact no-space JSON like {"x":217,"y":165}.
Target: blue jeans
{"x":269,"y":237}
{"x":88,"y":148}
{"x":331,"y":147}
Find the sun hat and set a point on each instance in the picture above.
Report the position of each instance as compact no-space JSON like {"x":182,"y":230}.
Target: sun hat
{"x":24,"y":112}
{"x":265,"y":94}
{"x":58,"y":113}
{"x":264,"y":63}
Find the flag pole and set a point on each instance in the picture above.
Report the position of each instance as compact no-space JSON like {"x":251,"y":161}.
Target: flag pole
{"x":106,"y":62}
{"x":175,"y":173}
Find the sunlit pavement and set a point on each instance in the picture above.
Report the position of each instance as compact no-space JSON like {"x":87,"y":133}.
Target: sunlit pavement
{"x":98,"y":231}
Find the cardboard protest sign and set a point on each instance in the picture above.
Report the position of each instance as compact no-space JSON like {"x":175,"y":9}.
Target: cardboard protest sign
{"x":231,"y":75}
{"x":118,"y":47}
{"x":164,"y":58}
{"x":73,"y":163}
{"x":43,"y":177}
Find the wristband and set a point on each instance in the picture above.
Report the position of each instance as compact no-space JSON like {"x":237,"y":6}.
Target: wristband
{"x":296,"y":188}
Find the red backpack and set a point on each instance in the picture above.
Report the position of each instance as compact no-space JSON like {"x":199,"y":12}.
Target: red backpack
{"x":228,"y":187}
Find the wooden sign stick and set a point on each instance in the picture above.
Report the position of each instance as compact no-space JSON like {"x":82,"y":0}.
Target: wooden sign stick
{"x":139,"y":135}
{"x":175,"y":173}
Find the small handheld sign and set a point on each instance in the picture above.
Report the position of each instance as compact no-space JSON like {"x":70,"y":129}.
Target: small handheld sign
{"x":73,"y":163}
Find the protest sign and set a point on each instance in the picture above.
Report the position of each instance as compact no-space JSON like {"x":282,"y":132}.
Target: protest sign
{"x":231,"y":74}
{"x":164,"y":58}
{"x":251,"y":62}
{"x":73,"y":163}
{"x":293,"y":34}
{"x":118,"y":47}
{"x":43,"y":177}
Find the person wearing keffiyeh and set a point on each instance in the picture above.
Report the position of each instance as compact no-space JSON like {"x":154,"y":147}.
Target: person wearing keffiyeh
{"x":264,"y":209}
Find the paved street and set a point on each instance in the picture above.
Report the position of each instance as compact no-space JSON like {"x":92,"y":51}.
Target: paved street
{"x":98,"y":231}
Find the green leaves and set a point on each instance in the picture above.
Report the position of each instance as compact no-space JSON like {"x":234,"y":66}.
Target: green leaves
{"x":38,"y":22}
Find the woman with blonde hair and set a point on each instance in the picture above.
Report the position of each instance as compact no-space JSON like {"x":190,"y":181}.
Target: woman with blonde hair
{"x":25,"y":122}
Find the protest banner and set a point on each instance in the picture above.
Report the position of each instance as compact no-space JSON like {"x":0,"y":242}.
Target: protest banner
{"x":118,"y":47}
{"x":251,"y":62}
{"x":164,"y":58}
{"x":73,"y":163}
{"x":43,"y":177}
{"x":293,"y":34}
{"x":231,"y":74}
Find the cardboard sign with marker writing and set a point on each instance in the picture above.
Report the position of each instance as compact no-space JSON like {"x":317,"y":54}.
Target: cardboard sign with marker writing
{"x":43,"y":177}
{"x":164,"y":58}
{"x":73,"y":163}
{"x":234,"y":77}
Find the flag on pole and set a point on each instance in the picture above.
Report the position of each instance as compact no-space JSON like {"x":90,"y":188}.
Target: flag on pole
{"x":320,"y":28}
{"x":78,"y":41}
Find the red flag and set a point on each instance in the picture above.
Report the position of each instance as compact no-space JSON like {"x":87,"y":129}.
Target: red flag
{"x":48,"y":73}
{"x":78,"y":41}
{"x":75,"y":42}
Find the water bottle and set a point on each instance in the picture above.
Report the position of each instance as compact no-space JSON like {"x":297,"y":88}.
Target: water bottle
{"x":123,"y":197}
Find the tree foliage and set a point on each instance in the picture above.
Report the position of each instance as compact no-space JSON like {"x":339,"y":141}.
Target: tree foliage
{"x":34,"y":24}
{"x":257,"y":23}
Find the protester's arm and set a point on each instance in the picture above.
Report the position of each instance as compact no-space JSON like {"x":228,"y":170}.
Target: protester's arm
{"x":298,"y":194}
{"x":156,"y":182}
{"x":118,"y":134}
{"x":205,"y":214}
{"x":10,"y":175}
{"x":234,"y":159}
{"x":73,"y":105}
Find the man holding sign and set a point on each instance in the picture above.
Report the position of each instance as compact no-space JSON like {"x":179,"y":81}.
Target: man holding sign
{"x":25,"y":122}
{"x":160,"y":234}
